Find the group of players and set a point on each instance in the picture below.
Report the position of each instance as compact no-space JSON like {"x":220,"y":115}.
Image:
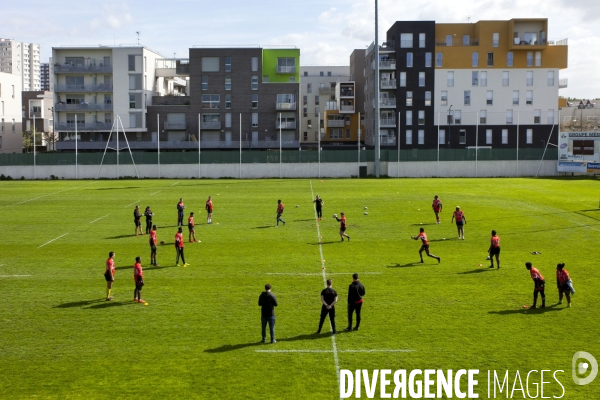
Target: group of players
{"x":138,"y":273}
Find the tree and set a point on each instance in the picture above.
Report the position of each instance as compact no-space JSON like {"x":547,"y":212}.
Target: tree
{"x":50,"y":138}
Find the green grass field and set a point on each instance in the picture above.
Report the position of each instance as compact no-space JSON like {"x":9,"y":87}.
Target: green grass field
{"x":199,"y":336}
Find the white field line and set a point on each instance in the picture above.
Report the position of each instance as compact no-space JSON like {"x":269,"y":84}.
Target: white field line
{"x":129,"y":205}
{"x":98,"y":219}
{"x":312,"y":274}
{"x":333,"y":344}
{"x":174,"y":184}
{"x":53,"y":240}
{"x":339,"y":351}
{"x":1,"y":265}
{"x":587,"y":226}
{"x":13,"y":276}
{"x":557,"y":209}
{"x":46,"y":195}
{"x":155,"y":193}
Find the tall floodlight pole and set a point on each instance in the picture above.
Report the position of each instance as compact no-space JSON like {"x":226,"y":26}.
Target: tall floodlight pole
{"x":280,"y":145}
{"x":376,"y":82}
{"x":158,"y":141}
{"x":319,"y":144}
{"x":34,"y":169}
{"x":76,"y":177}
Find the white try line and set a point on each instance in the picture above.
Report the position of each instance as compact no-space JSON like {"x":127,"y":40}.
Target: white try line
{"x":54,"y":240}
{"x":313,"y":274}
{"x":98,"y":219}
{"x":46,"y":195}
{"x":174,"y":184}
{"x":587,"y":226}
{"x":339,"y":351}
{"x":129,"y":205}
{"x":333,"y":344}
{"x":155,"y":193}
{"x":13,"y":276}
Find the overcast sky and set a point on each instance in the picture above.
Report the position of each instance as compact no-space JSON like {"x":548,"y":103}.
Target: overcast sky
{"x":325,"y":31}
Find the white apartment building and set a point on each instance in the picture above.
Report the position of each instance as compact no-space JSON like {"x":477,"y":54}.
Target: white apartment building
{"x":10,"y":114}
{"x":94,"y":85}
{"x":23,"y":59}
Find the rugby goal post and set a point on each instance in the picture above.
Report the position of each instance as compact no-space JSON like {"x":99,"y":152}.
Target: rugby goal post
{"x":115,"y":128}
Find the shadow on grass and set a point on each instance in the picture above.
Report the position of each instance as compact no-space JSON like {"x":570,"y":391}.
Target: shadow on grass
{"x":119,"y":237}
{"x":324,"y":243}
{"x":159,"y":267}
{"x":79,"y":303}
{"x":263,"y":227}
{"x":414,"y":264}
{"x":433,"y":223}
{"x":118,"y":188}
{"x":108,"y":304}
{"x":125,"y":267}
{"x":304,"y":220}
{"x":527,"y":310}
{"x":477,"y":271}
{"x":232,"y":347}
{"x":441,"y":240}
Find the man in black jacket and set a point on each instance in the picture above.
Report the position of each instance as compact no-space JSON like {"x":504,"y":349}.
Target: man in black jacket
{"x":267,"y":302}
{"x":328,"y":298}
{"x":356,"y":291}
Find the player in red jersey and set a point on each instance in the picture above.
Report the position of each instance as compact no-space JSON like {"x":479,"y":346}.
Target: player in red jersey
{"x":138,"y":277}
{"x":280,"y":208}
{"x":153,"y":241}
{"x":494,"y":249}
{"x":109,"y":274}
{"x":461,"y":221}
{"x":209,"y":208}
{"x":191,"y":228}
{"x":424,"y":245}
{"x":539,"y":284}
{"x":564,"y":284}
{"x":342,"y":222}
{"x":179,"y":248}
{"x":437,"y":208}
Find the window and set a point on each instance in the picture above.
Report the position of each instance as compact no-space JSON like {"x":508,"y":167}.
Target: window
{"x":475,"y":59}
{"x":305,"y":136}
{"x":515,"y":98}
{"x":316,"y":100}
{"x":347,"y":133}
{"x":427,"y":60}
{"x":317,"y":112}
{"x":292,"y":79}
{"x":421,"y":79}
{"x":409,"y":117}
{"x":304,"y":100}
{"x":444,"y":98}
{"x":228,"y":82}
{"x":550,"y":78}
{"x":462,"y":136}
{"x":211,"y":101}
{"x":510,"y":59}
{"x":406,"y":40}
{"x":13,"y":125}
{"x":409,"y":60}
{"x":448,"y":40}
{"x":286,"y":65}
{"x":309,"y":123}
{"x":427,"y":98}
{"x":483,"y":77}
{"x":509,"y":116}
{"x":483,"y":117}
{"x":254,"y":62}
{"x":409,"y":98}
{"x":2,"y":126}
{"x":467,"y":97}
{"x":421,"y":120}
{"x":254,"y":83}
{"x":305,"y":112}
{"x":530,"y":58}
{"x":421,"y":136}
{"x":132,"y":121}
{"x":450,"y":78}
{"x":488,"y":136}
{"x":255,"y":120}
{"x":321,"y":73}
{"x":309,"y":88}
{"x":131,"y":62}
{"x":495,"y":39}
{"x":457,"y":117}
{"x":254,"y":100}
{"x":529,"y":78}
{"x":305,"y":73}
{"x":409,"y":136}
{"x":227,"y":119}
{"x":537,"y":116}
{"x":328,"y":73}
{"x":265,"y":78}
{"x":490,"y":97}
{"x":228,"y":101}
{"x":505,"y":78}
{"x":402,"y":79}
{"x":210,"y":64}
{"x":529,"y":97}
{"x":475,"y":78}
{"x":204,"y":82}
{"x":439,"y":58}
{"x":504,"y":136}
{"x":422,"y":40}
{"x":0,"y":142}
{"x":538,"y":58}
{"x":529,"y":136}
{"x":490,"y":59}
{"x":132,"y":101}
{"x":466,"y":40}
{"x":550,"y":117}
{"x":335,"y":133}
{"x":227,"y":64}
{"x":442,"y":136}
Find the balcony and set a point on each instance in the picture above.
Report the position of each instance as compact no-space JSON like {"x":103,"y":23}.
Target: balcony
{"x":326,"y":91}
{"x":387,"y":122}
{"x":335,"y":123}
{"x":389,"y":64}
{"x":346,"y":93}
{"x":387,"y":102}
{"x":347,"y":108}
{"x":286,"y":69}
{"x":174,"y":125}
{"x":83,"y":88}
{"x":83,"y":107}
{"x":78,"y":69}
{"x":387,"y":140}
{"x":170,"y":100}
{"x":210,"y":125}
{"x":285,"y":106}
{"x":562,"y":83}
{"x":179,"y":145}
{"x":388,"y":84}
{"x":36,"y":114}
{"x":70,"y":127}
{"x":285,"y":124}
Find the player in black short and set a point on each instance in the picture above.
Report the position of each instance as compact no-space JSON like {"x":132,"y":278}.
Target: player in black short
{"x":328,"y":297}
{"x":148,"y":213}
{"x":137,"y":220}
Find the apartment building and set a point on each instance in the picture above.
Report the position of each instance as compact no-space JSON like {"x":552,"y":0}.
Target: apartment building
{"x":489,"y":83}
{"x":45,"y":77}
{"x":38,"y":110}
{"x":21,"y":59}
{"x":94,"y":87}
{"x":10,"y":114}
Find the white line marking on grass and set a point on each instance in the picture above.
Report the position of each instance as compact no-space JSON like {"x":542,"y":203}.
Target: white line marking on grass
{"x":54,"y":240}
{"x":98,"y":219}
{"x":313,"y":274}
{"x":46,"y":195}
{"x":339,"y":351}
{"x":155,"y":193}
{"x":13,"y":276}
{"x":587,"y":226}
{"x":174,"y":184}
{"x":129,"y":205}
{"x":335,"y":352}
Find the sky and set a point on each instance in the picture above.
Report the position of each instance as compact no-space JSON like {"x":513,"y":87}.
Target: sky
{"x":325,"y":31}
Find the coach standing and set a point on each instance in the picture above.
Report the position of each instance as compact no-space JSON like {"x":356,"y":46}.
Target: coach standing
{"x":328,"y":298}
{"x":356,"y":291}
{"x":267,"y":302}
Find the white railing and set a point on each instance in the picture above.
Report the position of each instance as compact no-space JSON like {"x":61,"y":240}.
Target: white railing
{"x":285,"y":106}
{"x":335,"y":123}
